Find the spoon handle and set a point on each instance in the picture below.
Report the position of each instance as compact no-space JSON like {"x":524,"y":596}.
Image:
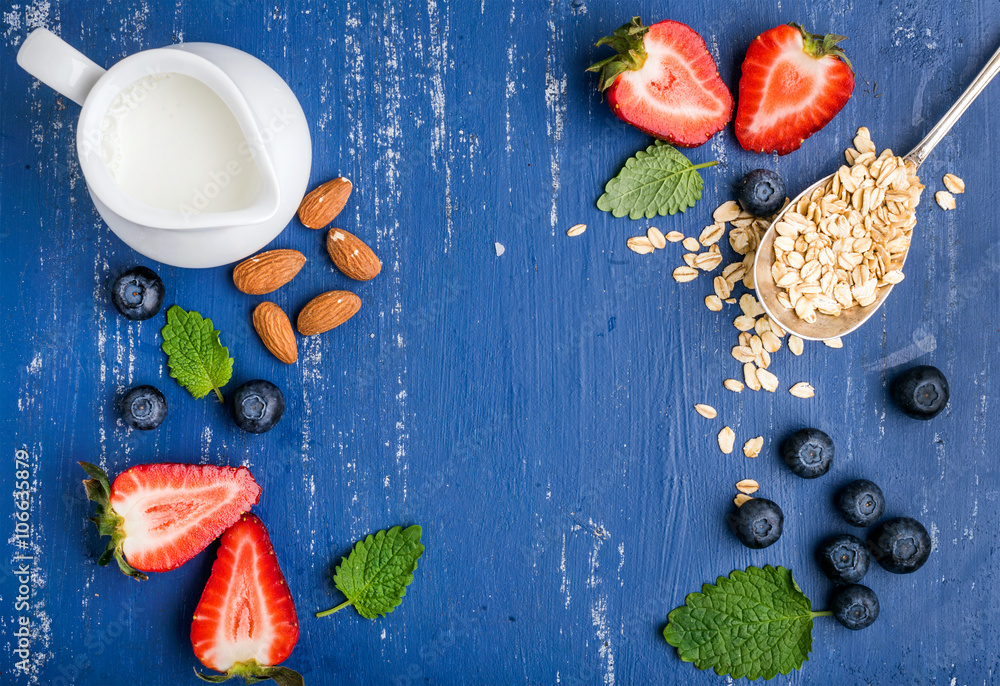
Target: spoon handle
{"x":934,"y":136}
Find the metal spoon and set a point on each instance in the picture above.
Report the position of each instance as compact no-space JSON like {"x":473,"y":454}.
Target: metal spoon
{"x":827,"y":326}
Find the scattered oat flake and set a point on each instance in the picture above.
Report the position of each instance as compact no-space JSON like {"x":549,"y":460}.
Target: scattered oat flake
{"x":747,"y":486}
{"x":772,"y":343}
{"x":743,"y":322}
{"x":674,"y":236}
{"x":708,"y":261}
{"x":691,"y":244}
{"x":893,"y":277}
{"x":752,"y":447}
{"x":498,"y":247}
{"x":656,"y":237}
{"x":733,"y":385}
{"x":750,"y":376}
{"x":953,"y":183}
{"x":721,"y":287}
{"x":802,"y":390}
{"x":713,"y":303}
{"x":750,"y":306}
{"x":741,"y":498}
{"x":768,"y":381}
{"x":576,"y":229}
{"x":726,"y":212}
{"x":743,"y":354}
{"x":640,"y":245}
{"x":706,"y":411}
{"x":726,"y":440}
{"x":685,"y":274}
{"x":945,"y":200}
{"x":795,"y":344}
{"x":834,"y":343}
{"x":711,"y":234}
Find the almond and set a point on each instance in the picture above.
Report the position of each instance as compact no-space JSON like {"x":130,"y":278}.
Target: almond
{"x":327,"y":311}
{"x":322,"y":205}
{"x":352,"y":255}
{"x":267,"y":271}
{"x":275,"y":331}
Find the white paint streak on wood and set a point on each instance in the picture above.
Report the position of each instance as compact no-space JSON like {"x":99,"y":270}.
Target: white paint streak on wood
{"x":389,"y":137}
{"x":205,"y":449}
{"x":178,"y":25}
{"x":311,"y":370}
{"x":599,"y":618}
{"x":600,"y":534}
{"x":564,"y":587}
{"x":510,"y":82}
{"x":441,"y":154}
{"x":555,"y":111}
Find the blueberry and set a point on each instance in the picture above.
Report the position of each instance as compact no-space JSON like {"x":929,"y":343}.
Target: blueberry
{"x":257,"y":406}
{"x":856,"y":606}
{"x":138,"y":293}
{"x":143,"y":407}
{"x":843,"y":558}
{"x":860,"y":503}
{"x":808,"y":453}
{"x":761,"y":192}
{"x":757,"y":522}
{"x":921,"y":392}
{"x":901,"y":545}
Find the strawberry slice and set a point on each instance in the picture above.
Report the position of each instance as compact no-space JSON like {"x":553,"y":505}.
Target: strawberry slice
{"x":793,"y":83}
{"x":159,"y":516}
{"x":664,"y":81}
{"x":245,"y":623}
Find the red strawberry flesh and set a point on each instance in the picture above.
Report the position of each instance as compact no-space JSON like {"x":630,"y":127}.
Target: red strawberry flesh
{"x":793,"y":84}
{"x":173,"y":511}
{"x":246,"y":615}
{"x":676,"y":93}
{"x":161,"y":515}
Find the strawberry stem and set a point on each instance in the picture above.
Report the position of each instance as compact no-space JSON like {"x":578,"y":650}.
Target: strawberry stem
{"x":627,"y":41}
{"x":109,"y":522}
{"x":819,"y":46}
{"x":344,"y":604}
{"x":253,"y":672}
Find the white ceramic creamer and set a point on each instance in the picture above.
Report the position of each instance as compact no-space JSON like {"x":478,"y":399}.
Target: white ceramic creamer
{"x":195,"y":155}
{"x":171,"y":142}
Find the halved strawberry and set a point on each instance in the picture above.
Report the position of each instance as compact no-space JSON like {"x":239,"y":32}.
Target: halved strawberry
{"x":245,"y":623}
{"x":793,"y":83}
{"x":664,"y":81}
{"x":159,"y":516}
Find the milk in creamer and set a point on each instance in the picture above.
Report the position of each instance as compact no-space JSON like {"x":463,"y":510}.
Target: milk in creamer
{"x":171,"y":142}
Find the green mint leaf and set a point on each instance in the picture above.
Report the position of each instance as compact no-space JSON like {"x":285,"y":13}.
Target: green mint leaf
{"x":657,"y":181}
{"x":754,"y":623}
{"x":195,"y":356}
{"x":375,"y":575}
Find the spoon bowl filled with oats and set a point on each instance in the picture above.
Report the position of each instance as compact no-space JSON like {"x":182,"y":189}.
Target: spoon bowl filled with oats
{"x":831,"y":257}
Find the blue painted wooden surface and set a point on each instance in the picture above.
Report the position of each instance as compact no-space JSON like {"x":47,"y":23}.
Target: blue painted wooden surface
{"x":531,"y":411}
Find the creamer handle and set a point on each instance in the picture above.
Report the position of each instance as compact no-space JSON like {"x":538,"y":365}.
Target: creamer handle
{"x":58,"y":65}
